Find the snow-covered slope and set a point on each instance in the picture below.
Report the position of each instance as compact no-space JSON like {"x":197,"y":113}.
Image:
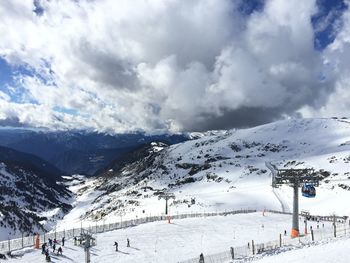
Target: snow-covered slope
{"x":335,"y":251}
{"x":225,"y":171}
{"x":187,"y":238}
{"x":183,"y":239}
{"x":30,"y":199}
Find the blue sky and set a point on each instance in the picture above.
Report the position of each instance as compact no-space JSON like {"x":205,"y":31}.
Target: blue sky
{"x":171,"y":68}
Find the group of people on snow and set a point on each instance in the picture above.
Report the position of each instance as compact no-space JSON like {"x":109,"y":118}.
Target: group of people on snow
{"x":51,"y":244}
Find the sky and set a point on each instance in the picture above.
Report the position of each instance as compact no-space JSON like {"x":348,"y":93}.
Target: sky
{"x":171,"y":65}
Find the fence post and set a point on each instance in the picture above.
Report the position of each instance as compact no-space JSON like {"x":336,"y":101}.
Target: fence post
{"x":73,"y":232}
{"x":232,"y":253}
{"x":335,"y":230}
{"x":312,"y":235}
{"x":280,"y":240}
{"x":9,"y":244}
{"x":22,"y":240}
{"x":253,"y":248}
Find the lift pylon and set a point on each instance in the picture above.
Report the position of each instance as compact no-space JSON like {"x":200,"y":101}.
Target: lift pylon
{"x":296,"y":178}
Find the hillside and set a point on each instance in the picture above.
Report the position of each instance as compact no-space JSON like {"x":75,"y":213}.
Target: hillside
{"x":10,"y":155}
{"x":78,"y":152}
{"x":32,"y":196}
{"x":224,"y":171}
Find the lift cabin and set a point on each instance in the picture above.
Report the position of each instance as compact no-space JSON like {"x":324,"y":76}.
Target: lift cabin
{"x":308,"y":190}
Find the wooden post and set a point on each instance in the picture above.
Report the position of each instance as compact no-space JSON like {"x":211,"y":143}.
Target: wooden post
{"x":312,"y":235}
{"x":22,"y":240}
{"x":9,"y":245}
{"x":253,"y":248}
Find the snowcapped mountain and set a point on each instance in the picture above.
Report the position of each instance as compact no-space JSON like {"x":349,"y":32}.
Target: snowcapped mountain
{"x":78,"y":152}
{"x":32,"y":196}
{"x":223,"y":171}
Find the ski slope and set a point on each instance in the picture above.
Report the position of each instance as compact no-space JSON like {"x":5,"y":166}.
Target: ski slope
{"x":225,"y":171}
{"x":180,"y":240}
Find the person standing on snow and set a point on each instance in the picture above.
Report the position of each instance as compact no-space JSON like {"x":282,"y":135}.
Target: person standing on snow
{"x":63,"y":241}
{"x":43,"y":248}
{"x":116,"y":246}
{"x":54,"y":248}
{"x":127,"y":242}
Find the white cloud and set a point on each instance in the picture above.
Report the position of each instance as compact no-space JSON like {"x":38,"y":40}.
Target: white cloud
{"x":160,"y":65}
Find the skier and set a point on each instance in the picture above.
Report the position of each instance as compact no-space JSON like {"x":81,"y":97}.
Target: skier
{"x":43,"y":248}
{"x":285,"y":232}
{"x":47,"y":256}
{"x":201,"y":258}
{"x":54,"y":248}
{"x":116,"y":246}
{"x":63,"y":241}
{"x":75,"y":241}
{"x":50,"y":242}
{"x":127,"y":242}
{"x":55,"y":241}
{"x":59,"y":251}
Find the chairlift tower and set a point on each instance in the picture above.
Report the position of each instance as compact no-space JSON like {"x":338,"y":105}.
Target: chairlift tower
{"x":89,"y":241}
{"x":166,"y":196}
{"x":296,"y":178}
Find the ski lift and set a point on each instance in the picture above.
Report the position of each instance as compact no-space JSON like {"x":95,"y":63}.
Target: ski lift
{"x":308,"y":190}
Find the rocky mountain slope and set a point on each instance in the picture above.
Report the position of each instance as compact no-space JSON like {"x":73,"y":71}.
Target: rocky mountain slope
{"x":33,"y":195}
{"x":223,"y":171}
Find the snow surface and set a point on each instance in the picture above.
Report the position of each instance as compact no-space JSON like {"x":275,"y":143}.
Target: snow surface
{"x":336,"y":251}
{"x":180,"y":240}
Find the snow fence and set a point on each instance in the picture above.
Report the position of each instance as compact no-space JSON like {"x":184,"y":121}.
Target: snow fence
{"x":282,"y":243}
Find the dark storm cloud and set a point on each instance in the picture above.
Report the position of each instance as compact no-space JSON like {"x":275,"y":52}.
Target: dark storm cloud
{"x":12,"y":122}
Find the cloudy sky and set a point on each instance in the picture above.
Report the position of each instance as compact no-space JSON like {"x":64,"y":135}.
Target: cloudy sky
{"x":171,"y":65}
